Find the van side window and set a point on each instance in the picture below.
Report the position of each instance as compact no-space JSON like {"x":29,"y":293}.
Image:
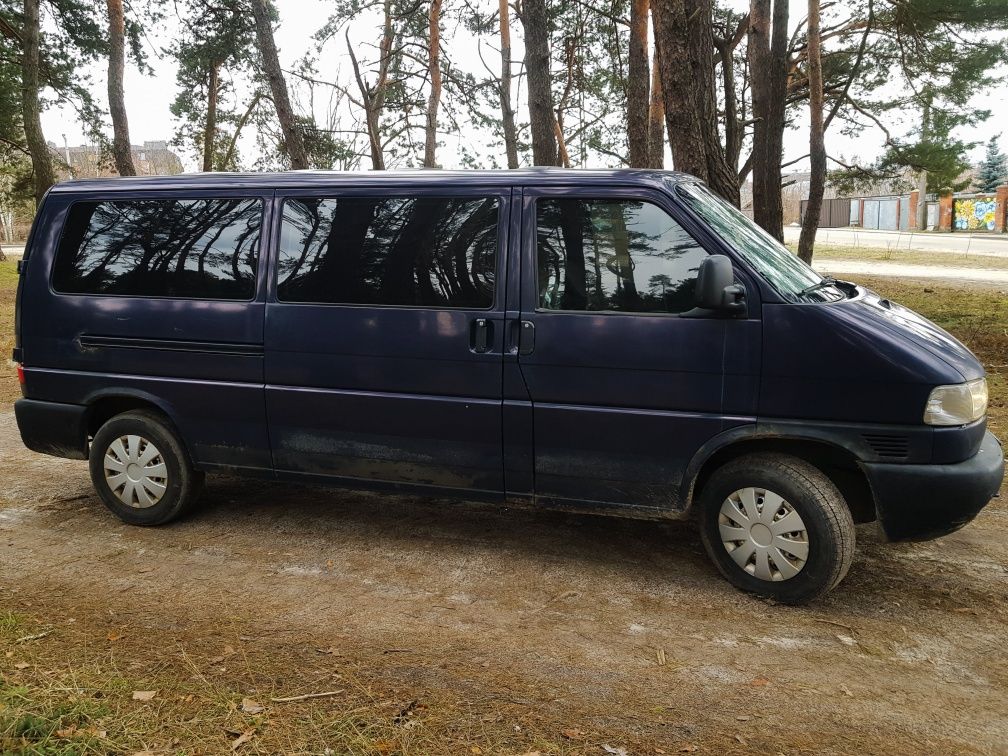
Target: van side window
{"x":614,"y":255}
{"x":419,"y":251}
{"x":190,"y":248}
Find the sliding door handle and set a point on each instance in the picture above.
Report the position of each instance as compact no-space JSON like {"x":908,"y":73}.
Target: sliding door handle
{"x":480,"y":336}
{"x":526,"y":337}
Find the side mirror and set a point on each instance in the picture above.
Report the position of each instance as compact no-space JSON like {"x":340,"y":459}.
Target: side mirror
{"x":716,"y":288}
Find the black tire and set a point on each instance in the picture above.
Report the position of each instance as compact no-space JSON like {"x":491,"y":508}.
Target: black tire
{"x":828,"y":526}
{"x":181,"y":483}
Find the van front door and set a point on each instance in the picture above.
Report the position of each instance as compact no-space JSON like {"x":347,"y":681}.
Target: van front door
{"x":623,"y":389}
{"x":384,"y":333}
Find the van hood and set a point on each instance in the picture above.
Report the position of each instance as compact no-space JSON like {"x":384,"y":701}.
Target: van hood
{"x":902,"y":321}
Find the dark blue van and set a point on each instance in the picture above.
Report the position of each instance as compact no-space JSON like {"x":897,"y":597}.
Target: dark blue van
{"x":617,"y":342}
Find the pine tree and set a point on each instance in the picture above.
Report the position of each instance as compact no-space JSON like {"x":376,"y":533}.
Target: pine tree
{"x":994,"y":169}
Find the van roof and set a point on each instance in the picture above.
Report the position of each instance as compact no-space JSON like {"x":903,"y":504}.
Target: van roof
{"x":418,"y":177}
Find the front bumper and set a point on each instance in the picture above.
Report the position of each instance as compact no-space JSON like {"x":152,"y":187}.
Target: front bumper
{"x":53,"y":428}
{"x":918,"y":502}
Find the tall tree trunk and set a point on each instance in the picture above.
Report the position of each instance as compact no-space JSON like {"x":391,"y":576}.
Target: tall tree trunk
{"x":536,"y":21}
{"x":43,"y":174}
{"x":656,"y":117}
{"x":233,"y":143}
{"x":121,"y":151}
{"x":817,"y":145}
{"x":507,"y":111}
{"x":734,"y":123}
{"x":638,"y":84}
{"x":684,"y":131}
{"x":768,"y":65}
{"x":721,"y":177}
{"x":434,"y":68}
{"x":922,"y":177}
{"x":372,"y":99}
{"x":293,"y":141}
{"x":684,"y":37}
{"x":210,"y":127}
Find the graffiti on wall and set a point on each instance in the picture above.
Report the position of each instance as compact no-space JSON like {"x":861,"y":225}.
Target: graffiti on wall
{"x":975,"y":214}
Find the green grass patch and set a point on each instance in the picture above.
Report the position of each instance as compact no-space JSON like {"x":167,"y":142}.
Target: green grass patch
{"x":8,"y":274}
{"x":30,"y":724}
{"x":9,"y":621}
{"x":906,"y":256}
{"x":9,"y":390}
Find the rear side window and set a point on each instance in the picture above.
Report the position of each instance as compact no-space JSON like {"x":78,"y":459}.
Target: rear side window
{"x":190,"y":248}
{"x":406,"y":251}
{"x":606,"y":255}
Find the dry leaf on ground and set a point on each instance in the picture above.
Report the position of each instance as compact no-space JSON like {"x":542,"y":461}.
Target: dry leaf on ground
{"x":144,"y":695}
{"x":245,"y":737}
{"x":250,"y":706}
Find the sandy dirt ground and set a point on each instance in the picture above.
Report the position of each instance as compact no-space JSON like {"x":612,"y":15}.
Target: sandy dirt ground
{"x":448,"y":627}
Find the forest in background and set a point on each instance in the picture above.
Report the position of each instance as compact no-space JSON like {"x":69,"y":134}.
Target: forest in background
{"x":596,"y":83}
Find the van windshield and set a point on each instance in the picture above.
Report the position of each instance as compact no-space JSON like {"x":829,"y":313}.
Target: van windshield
{"x":792,"y":278}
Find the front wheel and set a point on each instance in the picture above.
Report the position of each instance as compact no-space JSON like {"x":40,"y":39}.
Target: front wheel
{"x":777,"y":526}
{"x":141,"y":471}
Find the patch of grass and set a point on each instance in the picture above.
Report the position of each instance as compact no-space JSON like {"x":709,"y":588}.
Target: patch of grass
{"x":9,"y":622}
{"x":9,"y":389}
{"x":8,"y":274}
{"x":30,"y":724}
{"x":907,"y":256}
{"x":66,"y":694}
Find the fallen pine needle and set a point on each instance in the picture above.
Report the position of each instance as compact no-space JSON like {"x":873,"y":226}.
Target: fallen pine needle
{"x":306,"y":696}
{"x":24,"y":638}
{"x":836,"y":624}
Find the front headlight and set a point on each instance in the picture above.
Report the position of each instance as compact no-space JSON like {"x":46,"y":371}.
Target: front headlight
{"x":957,"y":405}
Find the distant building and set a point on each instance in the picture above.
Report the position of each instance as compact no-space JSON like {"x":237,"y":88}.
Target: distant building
{"x":92,"y":161}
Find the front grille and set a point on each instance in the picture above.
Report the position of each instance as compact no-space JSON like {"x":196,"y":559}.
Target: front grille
{"x":888,"y":446}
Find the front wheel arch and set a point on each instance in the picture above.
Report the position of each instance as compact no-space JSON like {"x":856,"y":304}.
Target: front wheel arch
{"x":840,"y":465}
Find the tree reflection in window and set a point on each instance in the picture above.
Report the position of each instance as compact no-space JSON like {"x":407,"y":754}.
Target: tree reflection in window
{"x":195,"y":248}
{"x":421,"y":251}
{"x":614,"y":255}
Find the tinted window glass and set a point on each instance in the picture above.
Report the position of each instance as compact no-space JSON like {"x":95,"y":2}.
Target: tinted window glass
{"x":424,"y":251}
{"x":621,"y":255}
{"x":199,"y":248}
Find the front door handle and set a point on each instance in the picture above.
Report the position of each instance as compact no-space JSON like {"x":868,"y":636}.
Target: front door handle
{"x":526,"y":337}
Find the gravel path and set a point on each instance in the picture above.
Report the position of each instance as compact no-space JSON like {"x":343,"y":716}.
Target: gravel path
{"x":513,"y":626}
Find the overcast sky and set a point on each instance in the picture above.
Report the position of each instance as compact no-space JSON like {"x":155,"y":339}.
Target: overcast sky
{"x":148,"y":97}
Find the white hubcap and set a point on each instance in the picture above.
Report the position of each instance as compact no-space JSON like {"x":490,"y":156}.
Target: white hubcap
{"x":763,"y":534}
{"x":135,"y":471}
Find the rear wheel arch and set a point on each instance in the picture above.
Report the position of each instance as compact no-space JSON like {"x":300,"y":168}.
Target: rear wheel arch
{"x":839,"y":464}
{"x":106,"y":405}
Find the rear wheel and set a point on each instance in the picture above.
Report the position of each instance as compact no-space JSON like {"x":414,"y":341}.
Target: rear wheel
{"x":141,"y":471}
{"x":777,"y":526}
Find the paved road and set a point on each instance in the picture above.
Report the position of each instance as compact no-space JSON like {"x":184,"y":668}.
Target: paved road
{"x":980,"y":244}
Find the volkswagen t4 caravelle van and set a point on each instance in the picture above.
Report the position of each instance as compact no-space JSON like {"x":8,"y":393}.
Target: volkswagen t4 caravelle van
{"x":619,"y":342}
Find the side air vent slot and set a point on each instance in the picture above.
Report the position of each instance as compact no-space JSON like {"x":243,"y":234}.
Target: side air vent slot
{"x":888,"y":446}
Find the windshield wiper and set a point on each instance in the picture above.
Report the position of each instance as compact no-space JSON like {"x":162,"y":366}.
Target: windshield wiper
{"x":826,"y":282}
